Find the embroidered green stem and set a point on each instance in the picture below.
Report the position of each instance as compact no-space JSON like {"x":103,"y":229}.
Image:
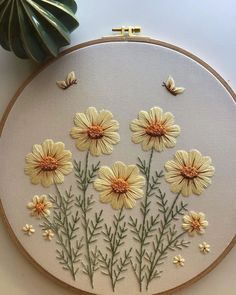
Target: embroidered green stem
{"x":64,"y":224}
{"x":85,"y":177}
{"x":144,"y":231}
{"x":85,"y":220}
{"x":112,"y":265}
{"x":162,"y":256}
{"x":159,"y":250}
{"x":145,"y":212}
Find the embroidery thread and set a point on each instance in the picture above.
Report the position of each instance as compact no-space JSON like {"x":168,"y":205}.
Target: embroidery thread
{"x":204,"y":248}
{"x":112,"y":263}
{"x":189,"y":172}
{"x":48,"y":163}
{"x":179,"y":260}
{"x":76,"y":224}
{"x":170,"y":86}
{"x":64,"y":225}
{"x":68,"y":82}
{"x":121,"y":185}
{"x":85,"y":176}
{"x":155,"y":130}
{"x":40,"y":206}
{"x":28,"y":229}
{"x":194,"y":222}
{"x":95,"y":131}
{"x":48,"y":234}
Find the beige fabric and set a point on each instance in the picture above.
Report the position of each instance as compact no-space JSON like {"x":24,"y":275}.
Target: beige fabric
{"x":124,"y":78}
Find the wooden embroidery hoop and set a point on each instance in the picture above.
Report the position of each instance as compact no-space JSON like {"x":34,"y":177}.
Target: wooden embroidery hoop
{"x":87,"y":44}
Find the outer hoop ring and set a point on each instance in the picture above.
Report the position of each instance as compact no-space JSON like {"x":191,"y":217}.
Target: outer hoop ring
{"x":87,"y":44}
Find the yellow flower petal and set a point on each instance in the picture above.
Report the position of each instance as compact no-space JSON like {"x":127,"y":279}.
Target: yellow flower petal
{"x":39,"y":206}
{"x":95,"y":131}
{"x":92,"y":115}
{"x":189,"y":173}
{"x":104,"y":117}
{"x":119,"y":169}
{"x":119,"y":185}
{"x":194,"y":222}
{"x":154,"y":129}
{"x":81,"y":121}
{"x":156,"y":114}
{"x":48,"y":162}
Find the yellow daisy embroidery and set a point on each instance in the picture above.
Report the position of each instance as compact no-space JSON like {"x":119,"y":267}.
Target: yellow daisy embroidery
{"x":28,"y":229}
{"x":189,"y":172}
{"x":39,"y":206}
{"x":155,"y":129}
{"x":95,"y":131}
{"x":48,"y":163}
{"x":48,"y":234}
{"x":179,"y":260}
{"x":121,"y":185}
{"x":204,"y":248}
{"x":194,"y":222}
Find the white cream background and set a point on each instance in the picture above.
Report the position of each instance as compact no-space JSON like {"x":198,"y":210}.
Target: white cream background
{"x":26,"y":269}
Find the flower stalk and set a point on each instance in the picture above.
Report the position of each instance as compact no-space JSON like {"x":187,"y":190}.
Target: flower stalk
{"x":64,"y":224}
{"x":113,"y":265}
{"x":91,"y":227}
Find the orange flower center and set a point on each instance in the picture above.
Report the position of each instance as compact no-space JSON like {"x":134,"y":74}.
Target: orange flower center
{"x":195,"y":224}
{"x":189,"y":172}
{"x":48,"y":164}
{"x":120,"y":186}
{"x":156,"y":130}
{"x":39,"y":208}
{"x":95,"y":132}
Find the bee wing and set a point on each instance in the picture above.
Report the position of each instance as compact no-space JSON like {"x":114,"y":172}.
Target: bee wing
{"x":178,"y":90}
{"x":70,"y":79}
{"x":170,"y":83}
{"x":61,"y":84}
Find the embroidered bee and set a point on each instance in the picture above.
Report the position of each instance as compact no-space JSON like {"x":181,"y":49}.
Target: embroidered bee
{"x":170,"y":86}
{"x":69,"y":81}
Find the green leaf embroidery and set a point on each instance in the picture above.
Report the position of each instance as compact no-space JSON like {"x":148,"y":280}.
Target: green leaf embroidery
{"x":113,"y":265}
{"x":91,"y":226}
{"x":144,"y":231}
{"x":167,"y":237}
{"x":64,"y":224}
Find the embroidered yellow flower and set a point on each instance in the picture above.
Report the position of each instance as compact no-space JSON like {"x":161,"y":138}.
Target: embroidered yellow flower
{"x":48,"y":163}
{"x":39,"y":206}
{"x":48,"y":234}
{"x":155,"y":129}
{"x":121,"y":185}
{"x":179,"y":260}
{"x":194,"y":222}
{"x":204,"y":248}
{"x":189,"y":172}
{"x":95,"y":131}
{"x":28,"y":229}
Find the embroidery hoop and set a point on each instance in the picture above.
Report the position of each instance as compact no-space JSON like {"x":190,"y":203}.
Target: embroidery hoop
{"x":84,"y":45}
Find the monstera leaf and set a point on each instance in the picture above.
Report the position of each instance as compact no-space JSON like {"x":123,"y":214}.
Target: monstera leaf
{"x":36,"y":29}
